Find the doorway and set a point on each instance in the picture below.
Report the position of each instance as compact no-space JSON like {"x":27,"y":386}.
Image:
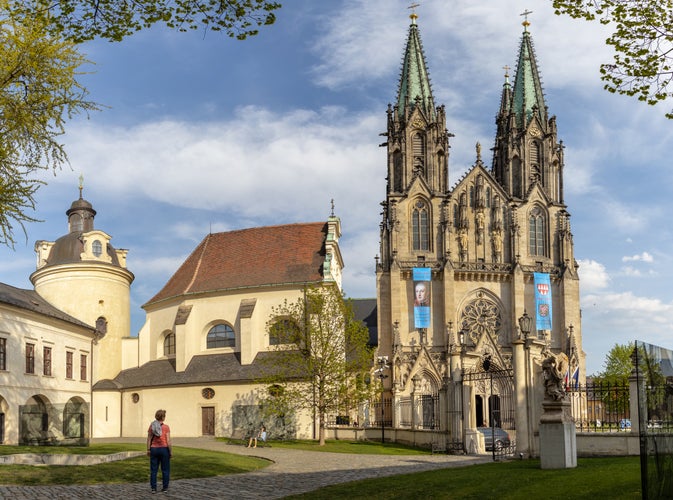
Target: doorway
{"x":208,"y":420}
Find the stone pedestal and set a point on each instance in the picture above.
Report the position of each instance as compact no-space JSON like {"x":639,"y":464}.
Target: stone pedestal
{"x":558,"y":442}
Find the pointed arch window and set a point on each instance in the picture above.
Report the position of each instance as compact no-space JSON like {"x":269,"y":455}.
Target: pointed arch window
{"x":420,"y":226}
{"x":537,"y":231}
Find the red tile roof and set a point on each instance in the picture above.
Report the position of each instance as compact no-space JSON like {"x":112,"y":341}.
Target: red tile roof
{"x":292,"y":253}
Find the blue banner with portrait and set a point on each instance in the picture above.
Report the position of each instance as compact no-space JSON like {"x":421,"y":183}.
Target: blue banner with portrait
{"x":542,"y":301}
{"x":422,"y":277}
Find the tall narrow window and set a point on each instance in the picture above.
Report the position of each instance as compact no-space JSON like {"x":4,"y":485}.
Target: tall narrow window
{"x":30,"y":358}
{"x":3,"y":354}
{"x":420,"y":227}
{"x":535,"y":153}
{"x":82,"y":367}
{"x":169,"y":344}
{"x":68,"y":364}
{"x":536,"y":233}
{"x":46,"y":361}
{"x":418,"y":145}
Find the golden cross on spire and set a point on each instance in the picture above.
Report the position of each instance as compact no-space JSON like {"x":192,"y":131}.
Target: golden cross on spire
{"x":506,"y":67}
{"x":525,"y":15}
{"x":413,"y":14}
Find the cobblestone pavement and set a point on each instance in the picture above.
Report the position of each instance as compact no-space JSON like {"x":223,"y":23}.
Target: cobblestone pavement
{"x":291,"y":472}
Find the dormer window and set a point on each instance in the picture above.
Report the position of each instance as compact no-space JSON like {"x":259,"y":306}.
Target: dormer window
{"x":97,"y":248}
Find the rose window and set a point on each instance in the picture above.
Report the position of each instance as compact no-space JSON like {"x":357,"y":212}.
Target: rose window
{"x":479,"y":317}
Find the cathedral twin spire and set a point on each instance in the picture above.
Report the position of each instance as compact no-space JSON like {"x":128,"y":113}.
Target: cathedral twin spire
{"x":414,"y":90}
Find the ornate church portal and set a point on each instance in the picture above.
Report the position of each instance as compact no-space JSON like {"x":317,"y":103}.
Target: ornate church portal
{"x":475,"y":283}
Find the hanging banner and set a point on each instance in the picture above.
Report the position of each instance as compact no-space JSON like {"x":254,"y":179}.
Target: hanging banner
{"x":542,"y":301}
{"x":422,"y":277}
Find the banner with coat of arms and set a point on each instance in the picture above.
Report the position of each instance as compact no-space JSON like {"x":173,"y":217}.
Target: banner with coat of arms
{"x":542,"y":301}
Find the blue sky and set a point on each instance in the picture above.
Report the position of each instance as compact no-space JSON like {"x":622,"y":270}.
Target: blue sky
{"x":204,"y":133}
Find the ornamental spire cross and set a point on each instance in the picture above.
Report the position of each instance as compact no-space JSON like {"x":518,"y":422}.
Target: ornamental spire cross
{"x":525,"y":15}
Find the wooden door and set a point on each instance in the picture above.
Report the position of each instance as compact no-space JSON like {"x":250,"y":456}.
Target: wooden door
{"x":208,"y":420}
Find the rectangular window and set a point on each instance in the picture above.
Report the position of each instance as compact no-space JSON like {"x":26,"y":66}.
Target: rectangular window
{"x":82,"y":367}
{"x":68,"y":365}
{"x":3,"y":353}
{"x":46,"y":361}
{"x":30,"y":358}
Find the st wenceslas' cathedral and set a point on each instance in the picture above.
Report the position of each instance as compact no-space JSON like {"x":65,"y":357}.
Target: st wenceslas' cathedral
{"x":473,"y":252}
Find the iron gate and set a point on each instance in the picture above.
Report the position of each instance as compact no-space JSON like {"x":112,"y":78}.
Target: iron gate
{"x":494,"y":407}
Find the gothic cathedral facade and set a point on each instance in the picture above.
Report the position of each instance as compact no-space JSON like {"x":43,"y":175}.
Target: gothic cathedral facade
{"x":455,"y":276}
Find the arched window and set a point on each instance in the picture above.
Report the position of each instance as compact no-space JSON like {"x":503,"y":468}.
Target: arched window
{"x":169,"y":344}
{"x":397,"y":172}
{"x":537,"y":230}
{"x":420,"y":226}
{"x":221,"y":335}
{"x":284,"y":331}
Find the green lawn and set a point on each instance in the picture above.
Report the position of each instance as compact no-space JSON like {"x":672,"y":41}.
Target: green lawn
{"x":347,"y":446}
{"x":594,"y":478}
{"x":186,"y":463}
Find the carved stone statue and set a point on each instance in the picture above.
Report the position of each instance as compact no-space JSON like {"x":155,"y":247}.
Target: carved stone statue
{"x":554,"y":368}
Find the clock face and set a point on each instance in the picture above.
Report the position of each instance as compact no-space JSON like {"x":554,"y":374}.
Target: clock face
{"x":418,"y":123}
{"x":535,"y":132}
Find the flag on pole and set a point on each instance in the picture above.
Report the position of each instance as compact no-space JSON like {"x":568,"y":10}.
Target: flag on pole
{"x":576,"y":377}
{"x":542,"y":301}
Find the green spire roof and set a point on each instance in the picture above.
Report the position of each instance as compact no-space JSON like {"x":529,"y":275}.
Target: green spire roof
{"x":414,"y":80}
{"x":527,"y":85}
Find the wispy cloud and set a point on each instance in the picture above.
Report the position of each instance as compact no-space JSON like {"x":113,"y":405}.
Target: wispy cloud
{"x":642,"y":257}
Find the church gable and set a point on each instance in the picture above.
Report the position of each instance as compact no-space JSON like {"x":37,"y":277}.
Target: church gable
{"x":478,"y":215}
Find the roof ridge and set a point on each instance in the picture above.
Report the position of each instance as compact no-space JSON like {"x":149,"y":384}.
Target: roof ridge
{"x":198,"y":264}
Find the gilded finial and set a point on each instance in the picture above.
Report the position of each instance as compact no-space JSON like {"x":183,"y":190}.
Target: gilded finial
{"x":413,"y":16}
{"x":525,"y":22}
{"x":81,"y":185}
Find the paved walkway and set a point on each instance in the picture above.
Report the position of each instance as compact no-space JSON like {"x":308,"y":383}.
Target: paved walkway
{"x":292,"y":472}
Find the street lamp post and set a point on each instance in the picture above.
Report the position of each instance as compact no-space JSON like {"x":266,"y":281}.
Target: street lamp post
{"x":525,"y":324}
{"x":486,"y":364}
{"x":383,"y":365}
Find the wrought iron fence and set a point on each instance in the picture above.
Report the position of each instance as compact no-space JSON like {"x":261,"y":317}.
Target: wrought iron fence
{"x":601,"y":407}
{"x":382,"y":418}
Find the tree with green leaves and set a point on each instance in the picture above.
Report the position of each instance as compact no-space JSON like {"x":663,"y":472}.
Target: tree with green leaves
{"x":325,"y":355}
{"x":615,"y":379}
{"x":40,"y":66}
{"x":617,"y":366}
{"x":642,"y":40}
{"x":113,"y":20}
{"x":39,"y":92}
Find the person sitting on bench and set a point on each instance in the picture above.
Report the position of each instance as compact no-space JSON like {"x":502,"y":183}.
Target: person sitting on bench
{"x":261,"y":436}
